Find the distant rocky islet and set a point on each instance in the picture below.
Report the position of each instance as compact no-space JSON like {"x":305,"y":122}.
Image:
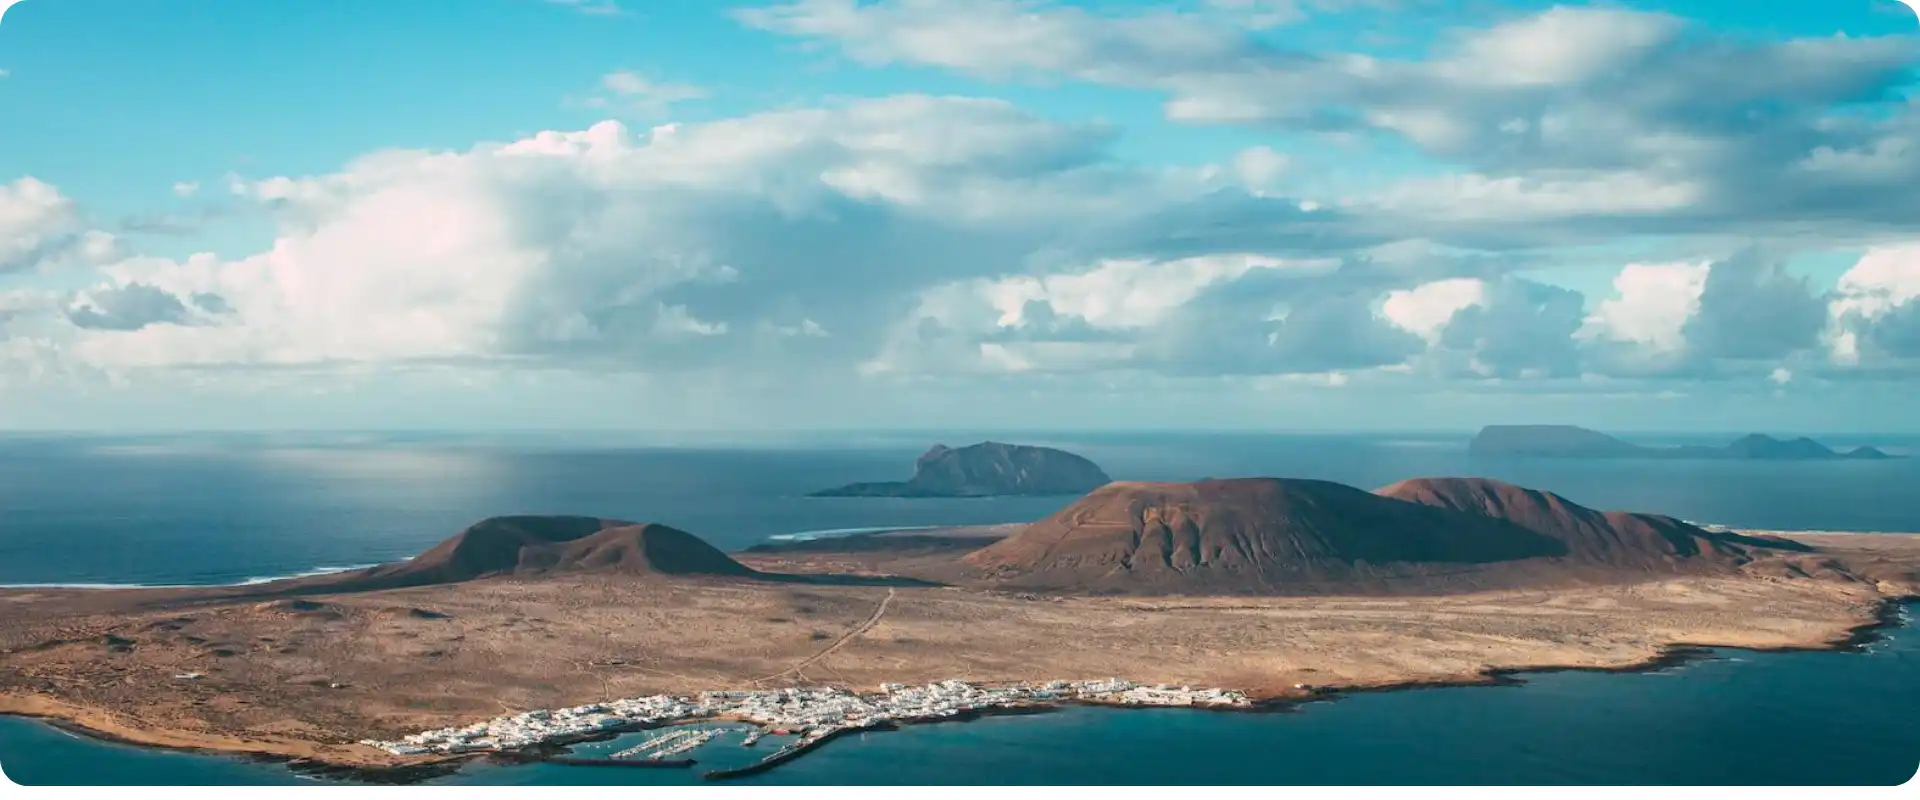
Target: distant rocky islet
{"x":986,"y":469}
{"x":1572,"y":441}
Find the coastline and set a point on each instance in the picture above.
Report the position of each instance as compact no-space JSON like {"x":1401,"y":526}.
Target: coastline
{"x":359,"y":763}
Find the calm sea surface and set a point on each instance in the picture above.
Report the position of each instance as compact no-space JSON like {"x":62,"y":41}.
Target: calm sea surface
{"x":228,"y":509}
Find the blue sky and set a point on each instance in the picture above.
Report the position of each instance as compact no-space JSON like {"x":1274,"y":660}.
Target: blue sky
{"x":1266,"y":214}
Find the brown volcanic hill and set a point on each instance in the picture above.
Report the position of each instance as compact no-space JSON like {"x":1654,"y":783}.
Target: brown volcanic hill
{"x":1255,"y":534}
{"x":1610,"y":538}
{"x":546,"y":545}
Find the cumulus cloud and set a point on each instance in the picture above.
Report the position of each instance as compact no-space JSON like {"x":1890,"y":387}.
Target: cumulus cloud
{"x":1224,"y":314}
{"x":1502,"y":328}
{"x":40,"y":226}
{"x":1603,"y":121}
{"x":1426,"y":310}
{"x":730,"y":242}
{"x":1523,"y":329}
{"x":1875,"y":309}
{"x":1652,"y":306}
{"x":911,"y":237}
{"x":1751,"y":308}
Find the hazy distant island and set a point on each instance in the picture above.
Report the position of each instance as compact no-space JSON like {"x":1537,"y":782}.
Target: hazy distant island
{"x":1569,"y":441}
{"x":987,"y":469}
{"x":521,"y":635}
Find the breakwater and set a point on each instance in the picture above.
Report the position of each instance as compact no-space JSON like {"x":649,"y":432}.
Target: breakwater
{"x":790,"y":752}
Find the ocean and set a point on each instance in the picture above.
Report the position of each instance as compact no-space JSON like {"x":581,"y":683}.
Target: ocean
{"x":227,"y":509}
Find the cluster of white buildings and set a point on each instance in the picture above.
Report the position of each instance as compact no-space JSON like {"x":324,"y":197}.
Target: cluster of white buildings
{"x":815,"y":712}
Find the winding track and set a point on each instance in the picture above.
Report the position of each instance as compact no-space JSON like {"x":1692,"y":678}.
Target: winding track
{"x":851,"y":634}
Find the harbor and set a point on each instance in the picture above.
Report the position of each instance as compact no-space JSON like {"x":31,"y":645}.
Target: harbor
{"x":670,"y":743}
{"x":789,"y":752}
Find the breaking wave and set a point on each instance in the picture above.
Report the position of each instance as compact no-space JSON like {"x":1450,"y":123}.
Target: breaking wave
{"x":243,"y":582}
{"x":805,"y":536}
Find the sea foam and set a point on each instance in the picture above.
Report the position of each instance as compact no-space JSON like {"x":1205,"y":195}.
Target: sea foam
{"x":805,"y":536}
{"x":243,"y":582}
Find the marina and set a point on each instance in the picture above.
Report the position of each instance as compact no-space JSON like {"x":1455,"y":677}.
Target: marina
{"x":670,"y":743}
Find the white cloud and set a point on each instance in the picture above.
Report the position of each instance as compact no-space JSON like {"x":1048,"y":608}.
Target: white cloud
{"x":41,"y":227}
{"x":1124,"y":293}
{"x":1259,"y":168}
{"x":677,"y":320}
{"x":917,"y":236}
{"x":1883,"y":279}
{"x":1194,"y":315}
{"x":1607,"y":121}
{"x":632,"y":92}
{"x":1560,"y":46}
{"x":1478,"y":198}
{"x":1425,"y":310}
{"x":1653,"y":305}
{"x":31,"y":214}
{"x":756,"y":236}
{"x":1874,"y":311}
{"x":186,"y":188}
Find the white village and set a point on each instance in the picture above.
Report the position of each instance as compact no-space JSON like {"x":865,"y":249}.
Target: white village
{"x":814,"y":714}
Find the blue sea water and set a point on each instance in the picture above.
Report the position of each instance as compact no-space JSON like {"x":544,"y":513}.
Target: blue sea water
{"x":229,"y":509}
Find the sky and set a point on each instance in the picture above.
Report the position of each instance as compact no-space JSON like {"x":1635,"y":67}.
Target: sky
{"x":1287,"y":215}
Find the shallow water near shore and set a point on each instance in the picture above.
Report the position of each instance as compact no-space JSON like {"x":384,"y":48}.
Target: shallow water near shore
{"x":1737,"y":718}
{"x":98,"y":511}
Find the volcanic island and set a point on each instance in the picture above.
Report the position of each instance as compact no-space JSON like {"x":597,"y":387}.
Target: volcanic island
{"x":522,"y":635}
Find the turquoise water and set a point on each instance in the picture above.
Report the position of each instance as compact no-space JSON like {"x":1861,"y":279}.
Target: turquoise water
{"x":1819,"y":718}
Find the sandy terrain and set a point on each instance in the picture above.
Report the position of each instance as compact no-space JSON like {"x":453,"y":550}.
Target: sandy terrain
{"x":306,"y":677}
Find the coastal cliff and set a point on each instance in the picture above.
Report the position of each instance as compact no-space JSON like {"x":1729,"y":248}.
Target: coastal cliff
{"x":987,"y":469}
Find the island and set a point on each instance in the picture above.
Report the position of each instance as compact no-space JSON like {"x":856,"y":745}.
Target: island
{"x":987,"y":469}
{"x":523,"y":636}
{"x":1569,"y":441}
